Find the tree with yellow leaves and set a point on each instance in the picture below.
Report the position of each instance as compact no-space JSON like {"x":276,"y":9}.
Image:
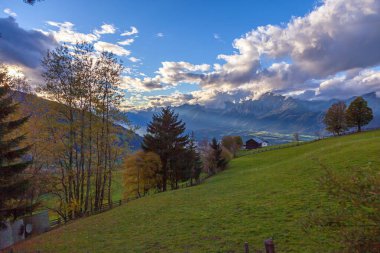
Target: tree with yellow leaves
{"x":142,"y":173}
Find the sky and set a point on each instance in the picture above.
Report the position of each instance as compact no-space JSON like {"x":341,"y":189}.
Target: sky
{"x":208,"y":52}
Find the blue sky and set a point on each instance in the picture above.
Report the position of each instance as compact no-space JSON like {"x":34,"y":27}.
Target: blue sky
{"x":197,"y":32}
{"x":188,"y":26}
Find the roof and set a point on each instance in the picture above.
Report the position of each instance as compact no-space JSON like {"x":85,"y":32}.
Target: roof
{"x":257,"y":140}
{"x":252,"y":140}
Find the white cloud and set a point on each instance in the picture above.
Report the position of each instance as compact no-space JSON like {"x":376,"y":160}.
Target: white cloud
{"x":337,"y":36}
{"x":139,"y":102}
{"x":169,"y":75}
{"x":346,"y":86}
{"x":66,"y":33}
{"x":140,"y":85}
{"x":210,"y":98}
{"x":109,"y":47}
{"x":134,"y":59}
{"x":309,"y":53}
{"x":131,"y":32}
{"x":174,"y":99}
{"x":9,"y":12}
{"x":160,"y":35}
{"x":173,"y":73}
{"x":126,"y":42}
{"x":106,"y":29}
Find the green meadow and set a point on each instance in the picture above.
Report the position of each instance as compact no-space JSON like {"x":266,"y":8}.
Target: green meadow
{"x":260,"y":195}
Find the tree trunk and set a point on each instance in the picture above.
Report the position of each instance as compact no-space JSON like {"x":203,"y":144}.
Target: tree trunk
{"x":88,"y":188}
{"x":164,"y":174}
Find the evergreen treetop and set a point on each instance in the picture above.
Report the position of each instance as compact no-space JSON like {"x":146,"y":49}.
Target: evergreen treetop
{"x":166,"y":137}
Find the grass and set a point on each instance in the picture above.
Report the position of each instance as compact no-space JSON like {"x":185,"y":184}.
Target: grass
{"x":117,"y":194}
{"x":263,"y":195}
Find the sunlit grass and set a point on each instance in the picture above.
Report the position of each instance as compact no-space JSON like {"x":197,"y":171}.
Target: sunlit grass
{"x":263,"y":195}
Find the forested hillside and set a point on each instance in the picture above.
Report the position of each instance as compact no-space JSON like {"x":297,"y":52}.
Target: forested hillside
{"x":39,"y":108}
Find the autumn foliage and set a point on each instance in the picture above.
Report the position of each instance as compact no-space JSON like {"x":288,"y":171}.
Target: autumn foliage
{"x":141,"y":173}
{"x":339,"y":119}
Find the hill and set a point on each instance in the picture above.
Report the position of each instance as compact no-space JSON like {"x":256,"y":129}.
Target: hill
{"x":37,"y":106}
{"x":272,"y":117}
{"x":259,"y":196}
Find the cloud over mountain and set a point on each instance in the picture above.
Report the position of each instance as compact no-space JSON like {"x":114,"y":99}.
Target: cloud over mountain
{"x":9,"y":12}
{"x":338,"y":36}
{"x":333,"y":49}
{"x":170,"y":74}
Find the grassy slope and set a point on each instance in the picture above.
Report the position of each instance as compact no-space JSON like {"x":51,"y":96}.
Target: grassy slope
{"x":260,"y":196}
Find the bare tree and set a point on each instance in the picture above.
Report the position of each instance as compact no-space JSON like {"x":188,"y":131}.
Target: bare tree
{"x":87,"y":85}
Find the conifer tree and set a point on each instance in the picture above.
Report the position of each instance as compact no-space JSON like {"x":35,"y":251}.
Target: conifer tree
{"x":166,"y":137}
{"x":13,"y":182}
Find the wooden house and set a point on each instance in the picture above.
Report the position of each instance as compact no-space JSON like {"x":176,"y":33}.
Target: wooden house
{"x":255,"y":143}
{"x":252,"y":144}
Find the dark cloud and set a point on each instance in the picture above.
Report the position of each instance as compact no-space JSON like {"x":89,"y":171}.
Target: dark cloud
{"x":22,"y":47}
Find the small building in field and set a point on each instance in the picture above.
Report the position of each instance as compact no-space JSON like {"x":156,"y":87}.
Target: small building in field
{"x":255,"y":143}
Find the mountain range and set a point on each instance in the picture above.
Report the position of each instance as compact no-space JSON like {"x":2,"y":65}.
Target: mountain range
{"x":272,"y":117}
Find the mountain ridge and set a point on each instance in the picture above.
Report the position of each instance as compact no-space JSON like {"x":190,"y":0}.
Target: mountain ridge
{"x":271,"y":114}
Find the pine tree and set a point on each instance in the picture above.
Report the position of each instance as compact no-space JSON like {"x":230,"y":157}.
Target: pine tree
{"x":166,"y":137}
{"x":358,"y":114}
{"x":13,"y":183}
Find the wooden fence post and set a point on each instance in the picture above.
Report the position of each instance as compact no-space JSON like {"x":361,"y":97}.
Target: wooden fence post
{"x":246,"y":247}
{"x":269,"y":246}
{"x":119,"y":202}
